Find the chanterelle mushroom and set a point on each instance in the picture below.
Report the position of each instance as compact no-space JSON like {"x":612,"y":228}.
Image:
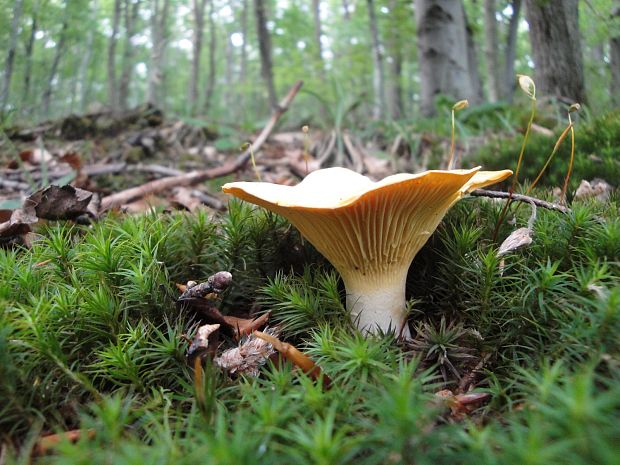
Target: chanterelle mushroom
{"x":370,"y":231}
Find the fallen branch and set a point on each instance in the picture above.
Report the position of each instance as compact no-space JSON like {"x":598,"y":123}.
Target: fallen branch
{"x":519,"y":198}
{"x":195,"y":177}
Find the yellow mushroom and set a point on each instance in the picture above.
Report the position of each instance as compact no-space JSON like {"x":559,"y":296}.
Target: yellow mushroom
{"x":370,"y":231}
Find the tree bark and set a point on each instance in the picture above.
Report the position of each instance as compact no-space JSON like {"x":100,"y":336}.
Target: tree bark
{"x":28,"y":58}
{"x":509,"y":80}
{"x":442,"y":52}
{"x":198,"y":7}
{"x":10,"y":58}
{"x":243,"y":69}
{"x":316,"y":14}
{"x":378,"y":79}
{"x":112,"y":84}
{"x":395,"y":91}
{"x":264,"y":45}
{"x":614,"y":62}
{"x":212,"y":59}
{"x":556,"y":48}
{"x":490,"y":49}
{"x":158,"y":20}
{"x":88,"y":53}
{"x":131,"y":17}
{"x":477,"y":95}
{"x":346,"y":10}
{"x":59,"y":51}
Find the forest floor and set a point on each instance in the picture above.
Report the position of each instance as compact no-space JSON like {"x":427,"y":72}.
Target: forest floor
{"x":514,"y":356}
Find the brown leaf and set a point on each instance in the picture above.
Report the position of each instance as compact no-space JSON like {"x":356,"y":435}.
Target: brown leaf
{"x":517,"y":239}
{"x":296,"y":357}
{"x":62,"y":203}
{"x":244,"y":326}
{"x":16,"y":222}
{"x":182,"y":197}
{"x":462,"y":405}
{"x":45,"y":443}
{"x":36,"y":156}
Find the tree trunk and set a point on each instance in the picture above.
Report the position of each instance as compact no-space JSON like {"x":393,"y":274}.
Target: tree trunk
{"x":394,"y":40}
{"x":85,"y":62}
{"x":316,"y":14}
{"x":556,"y":47}
{"x":112,"y":85}
{"x":346,"y":10}
{"x":28,"y":59}
{"x":212,"y":59}
{"x":264,"y":45}
{"x":614,"y":62}
{"x":442,"y":52}
{"x":10,"y":58}
{"x":199,"y":25}
{"x":131,"y":17}
{"x":244,"y":46}
{"x":477,"y":95}
{"x":59,"y":51}
{"x":509,"y":80}
{"x":490,"y":49}
{"x":159,"y":19}
{"x":378,"y":79}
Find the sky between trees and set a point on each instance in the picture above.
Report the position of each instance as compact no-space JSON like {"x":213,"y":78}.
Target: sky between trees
{"x":230,"y":60}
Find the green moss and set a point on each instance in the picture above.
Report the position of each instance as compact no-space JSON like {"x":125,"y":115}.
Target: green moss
{"x":90,"y":337}
{"x":597,"y":153}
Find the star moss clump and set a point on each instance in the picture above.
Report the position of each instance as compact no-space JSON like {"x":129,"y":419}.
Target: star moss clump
{"x":91,"y":339}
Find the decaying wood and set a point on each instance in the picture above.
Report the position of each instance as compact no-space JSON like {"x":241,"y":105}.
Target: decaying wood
{"x":197,"y":176}
{"x":46,"y":443}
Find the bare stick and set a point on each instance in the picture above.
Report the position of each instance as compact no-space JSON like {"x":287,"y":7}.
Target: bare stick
{"x":519,"y":198}
{"x":195,"y":177}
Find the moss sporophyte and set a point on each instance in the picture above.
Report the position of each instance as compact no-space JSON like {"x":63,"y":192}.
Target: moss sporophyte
{"x":370,"y":231}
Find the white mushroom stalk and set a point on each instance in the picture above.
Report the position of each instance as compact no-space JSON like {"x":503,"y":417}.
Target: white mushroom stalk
{"x":370,"y":231}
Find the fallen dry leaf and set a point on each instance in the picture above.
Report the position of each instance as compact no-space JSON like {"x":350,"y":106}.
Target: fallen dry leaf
{"x":200,"y":343}
{"x":45,"y":443}
{"x":519,"y":238}
{"x":597,"y":188}
{"x":296,"y":357}
{"x":462,"y":405}
{"x":64,"y":203}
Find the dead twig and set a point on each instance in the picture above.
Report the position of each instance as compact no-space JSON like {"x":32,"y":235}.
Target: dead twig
{"x":197,"y":176}
{"x":519,"y":198}
{"x":356,"y":156}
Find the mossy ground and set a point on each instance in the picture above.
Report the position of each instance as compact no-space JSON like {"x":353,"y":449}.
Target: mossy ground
{"x":90,"y":337}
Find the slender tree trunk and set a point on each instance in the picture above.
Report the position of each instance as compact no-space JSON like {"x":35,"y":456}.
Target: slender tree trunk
{"x":131,"y":17}
{"x":316,"y":14}
{"x":212,"y":59}
{"x":59,"y":52}
{"x":244,"y":46}
{"x":28,"y":58}
{"x":490,"y":49}
{"x":159,"y":19}
{"x":378,"y":78}
{"x":112,"y":84}
{"x":85,"y":62}
{"x":229,"y":72}
{"x":199,"y":25}
{"x":442,"y":52}
{"x":394,"y":41}
{"x":614,"y":62}
{"x":556,"y":47}
{"x":509,"y":80}
{"x":10,"y":58}
{"x":477,"y":95}
{"x":345,"y":10}
{"x":264,"y":45}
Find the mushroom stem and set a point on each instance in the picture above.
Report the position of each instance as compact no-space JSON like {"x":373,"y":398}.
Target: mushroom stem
{"x":379,"y":308}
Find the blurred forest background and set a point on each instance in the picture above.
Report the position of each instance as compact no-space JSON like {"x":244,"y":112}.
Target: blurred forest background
{"x":228,"y":61}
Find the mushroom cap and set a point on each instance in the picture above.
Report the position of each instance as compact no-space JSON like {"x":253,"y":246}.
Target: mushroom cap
{"x":365,"y":228}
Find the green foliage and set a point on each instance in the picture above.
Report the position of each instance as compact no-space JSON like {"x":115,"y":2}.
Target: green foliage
{"x":90,"y":338}
{"x":596,"y":153}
